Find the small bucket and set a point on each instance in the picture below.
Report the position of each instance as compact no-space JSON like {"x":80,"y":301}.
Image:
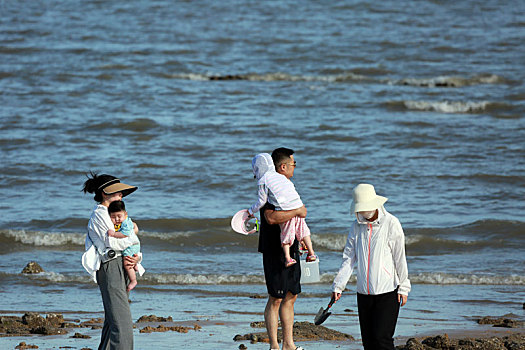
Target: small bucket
{"x":310,"y":271}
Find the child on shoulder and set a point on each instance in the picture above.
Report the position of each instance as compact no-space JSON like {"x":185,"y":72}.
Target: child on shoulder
{"x":277,"y":189}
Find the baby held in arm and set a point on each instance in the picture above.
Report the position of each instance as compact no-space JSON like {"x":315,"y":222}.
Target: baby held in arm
{"x":124,"y":227}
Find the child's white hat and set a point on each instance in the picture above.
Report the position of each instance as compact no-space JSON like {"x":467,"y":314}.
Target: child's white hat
{"x":240,"y":220}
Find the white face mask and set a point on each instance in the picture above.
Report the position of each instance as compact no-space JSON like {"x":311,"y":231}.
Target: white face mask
{"x":367,"y":214}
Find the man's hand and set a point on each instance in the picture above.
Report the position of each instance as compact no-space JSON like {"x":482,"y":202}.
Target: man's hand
{"x":301,"y":212}
{"x":281,"y":216}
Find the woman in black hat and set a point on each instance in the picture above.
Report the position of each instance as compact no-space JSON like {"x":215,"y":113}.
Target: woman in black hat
{"x":103,"y":260}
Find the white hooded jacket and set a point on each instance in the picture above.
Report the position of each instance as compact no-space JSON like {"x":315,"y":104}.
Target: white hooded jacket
{"x":377,"y":249}
{"x":272,"y":187}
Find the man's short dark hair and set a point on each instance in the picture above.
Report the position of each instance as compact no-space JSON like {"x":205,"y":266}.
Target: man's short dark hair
{"x":280,"y":155}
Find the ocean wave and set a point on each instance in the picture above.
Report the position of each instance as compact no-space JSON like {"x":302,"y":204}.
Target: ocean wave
{"x":470,"y":279}
{"x":269,"y":77}
{"x":449,"y":81}
{"x":167,"y":233}
{"x":40,"y":238}
{"x":433,"y":278}
{"x":449,"y":107}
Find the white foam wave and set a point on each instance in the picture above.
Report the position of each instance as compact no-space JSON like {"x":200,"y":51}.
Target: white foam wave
{"x":470,"y":279}
{"x":39,"y":238}
{"x":56,"y":277}
{"x":434,"y":278}
{"x":268,"y":77}
{"x":165,"y":236}
{"x":189,"y":279}
{"x":448,"y":81}
{"x":329,"y":241}
{"x":447,"y":106}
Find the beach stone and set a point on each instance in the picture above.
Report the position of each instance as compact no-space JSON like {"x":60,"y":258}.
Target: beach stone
{"x":443,"y":342}
{"x":33,"y":320}
{"x":23,"y":346}
{"x":55,"y":319}
{"x":302,"y":331}
{"x":161,"y":328}
{"x":153,"y":318}
{"x":81,"y":336}
{"x":501,"y":322}
{"x":32,"y":267}
{"x":412,"y":344}
{"x":437,"y":342}
{"x":47,"y":330}
{"x":242,"y":347}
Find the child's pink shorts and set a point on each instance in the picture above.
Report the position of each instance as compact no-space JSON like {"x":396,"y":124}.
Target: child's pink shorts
{"x":295,"y":227}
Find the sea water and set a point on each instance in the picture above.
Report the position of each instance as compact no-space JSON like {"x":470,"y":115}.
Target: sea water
{"x":424,"y":100}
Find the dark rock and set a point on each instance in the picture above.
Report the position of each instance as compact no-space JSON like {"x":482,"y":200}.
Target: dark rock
{"x":302,"y":331}
{"x":55,"y":319}
{"x":242,"y":347}
{"x":47,"y":330}
{"x":161,"y":328}
{"x":33,"y":320}
{"x":443,"y":342}
{"x":153,"y":318}
{"x":23,"y":346}
{"x":501,"y":322}
{"x":32,"y":267}
{"x":437,"y":342}
{"x":260,"y":324}
{"x":81,"y":336}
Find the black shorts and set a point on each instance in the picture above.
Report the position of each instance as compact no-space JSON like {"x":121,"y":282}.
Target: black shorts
{"x":281,"y":279}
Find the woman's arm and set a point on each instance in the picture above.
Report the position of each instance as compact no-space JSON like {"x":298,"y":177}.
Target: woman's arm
{"x":100,"y":224}
{"x":347,"y":266}
{"x":274,"y":217}
{"x":397,"y":246}
{"x":115,"y":234}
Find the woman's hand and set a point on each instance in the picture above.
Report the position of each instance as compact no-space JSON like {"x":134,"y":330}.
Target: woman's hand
{"x":402,"y":299}
{"x":336,"y":296}
{"x":131,"y":261}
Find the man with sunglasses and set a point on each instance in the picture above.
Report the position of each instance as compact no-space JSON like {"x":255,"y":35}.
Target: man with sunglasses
{"x":282,"y":282}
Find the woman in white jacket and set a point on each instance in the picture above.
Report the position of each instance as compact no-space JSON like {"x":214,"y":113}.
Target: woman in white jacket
{"x":104,"y":261}
{"x":376,"y":247}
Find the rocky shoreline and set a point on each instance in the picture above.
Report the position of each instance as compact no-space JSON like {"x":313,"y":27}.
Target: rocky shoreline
{"x":31,"y":324}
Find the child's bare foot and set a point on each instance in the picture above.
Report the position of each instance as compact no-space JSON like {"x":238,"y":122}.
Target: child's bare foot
{"x":131,"y":285}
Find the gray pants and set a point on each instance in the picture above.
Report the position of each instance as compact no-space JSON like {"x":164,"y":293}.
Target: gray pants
{"x":117,"y":333}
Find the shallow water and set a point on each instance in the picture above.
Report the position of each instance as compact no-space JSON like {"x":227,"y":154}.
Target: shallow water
{"x":425,"y":101}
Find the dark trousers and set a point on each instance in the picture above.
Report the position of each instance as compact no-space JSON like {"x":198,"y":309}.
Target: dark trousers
{"x":377,"y":319}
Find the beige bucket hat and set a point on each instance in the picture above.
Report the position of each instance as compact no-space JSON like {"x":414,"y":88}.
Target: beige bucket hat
{"x":366,"y":199}
{"x":114,"y":186}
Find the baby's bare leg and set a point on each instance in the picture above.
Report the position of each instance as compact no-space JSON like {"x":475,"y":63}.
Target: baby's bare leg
{"x":308,"y":242}
{"x":288,"y":259}
{"x":132,"y":278}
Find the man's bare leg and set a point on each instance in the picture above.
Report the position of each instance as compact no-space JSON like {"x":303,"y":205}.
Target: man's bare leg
{"x":271,"y":319}
{"x":286,"y":313}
